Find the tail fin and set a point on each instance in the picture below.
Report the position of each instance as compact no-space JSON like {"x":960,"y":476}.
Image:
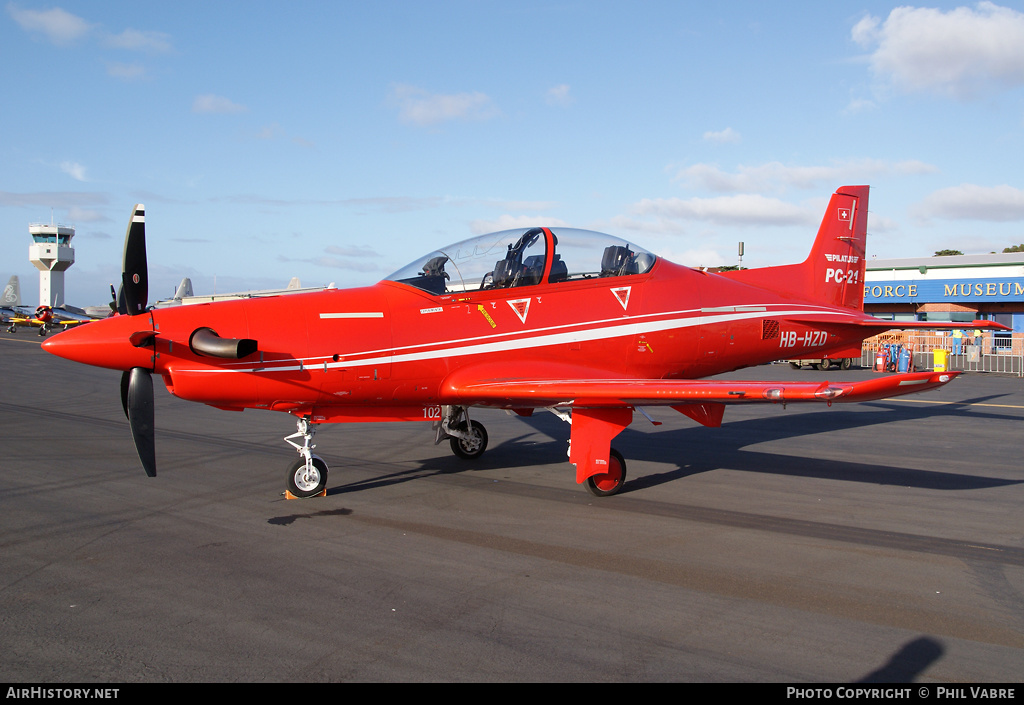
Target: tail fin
{"x":837,"y":258}
{"x":12,"y":293}
{"x":184,"y":289}
{"x":833,"y":273}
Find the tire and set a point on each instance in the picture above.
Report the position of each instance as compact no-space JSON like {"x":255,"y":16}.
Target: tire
{"x":473,"y":447}
{"x":847,"y":363}
{"x":609,"y":483}
{"x":305,"y":485}
{"x":795,"y":365}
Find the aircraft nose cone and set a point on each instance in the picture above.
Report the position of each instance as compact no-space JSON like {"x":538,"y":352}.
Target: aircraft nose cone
{"x":105,"y":343}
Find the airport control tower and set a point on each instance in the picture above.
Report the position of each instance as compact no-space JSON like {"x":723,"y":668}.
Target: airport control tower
{"x":51,"y":252}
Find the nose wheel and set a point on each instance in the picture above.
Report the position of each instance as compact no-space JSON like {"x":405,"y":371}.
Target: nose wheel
{"x":307,"y":479}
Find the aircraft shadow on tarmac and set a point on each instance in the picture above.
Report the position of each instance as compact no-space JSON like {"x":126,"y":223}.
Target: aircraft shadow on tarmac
{"x":908,"y":663}
{"x":698,"y":449}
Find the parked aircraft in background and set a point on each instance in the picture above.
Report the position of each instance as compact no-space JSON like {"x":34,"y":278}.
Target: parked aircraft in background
{"x":14,"y":314}
{"x":579,"y":323}
{"x":184,"y":294}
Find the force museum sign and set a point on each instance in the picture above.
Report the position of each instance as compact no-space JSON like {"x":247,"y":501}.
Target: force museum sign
{"x":944,"y":290}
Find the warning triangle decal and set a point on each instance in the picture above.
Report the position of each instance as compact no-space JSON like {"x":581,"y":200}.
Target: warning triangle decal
{"x":521,"y":307}
{"x":622,"y":294}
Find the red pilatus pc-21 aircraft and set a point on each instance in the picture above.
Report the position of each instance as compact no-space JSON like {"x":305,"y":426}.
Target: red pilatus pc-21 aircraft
{"x":580,"y":323}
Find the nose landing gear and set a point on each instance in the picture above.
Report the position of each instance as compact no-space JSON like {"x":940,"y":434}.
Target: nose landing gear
{"x":307,"y":477}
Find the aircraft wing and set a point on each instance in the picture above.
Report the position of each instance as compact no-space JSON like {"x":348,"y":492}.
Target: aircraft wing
{"x":590,"y":393}
{"x":68,"y":317}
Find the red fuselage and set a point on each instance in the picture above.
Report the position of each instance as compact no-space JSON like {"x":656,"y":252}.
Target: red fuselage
{"x":385,"y":351}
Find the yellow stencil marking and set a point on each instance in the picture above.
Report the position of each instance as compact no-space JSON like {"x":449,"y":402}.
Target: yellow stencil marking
{"x":486,"y":315}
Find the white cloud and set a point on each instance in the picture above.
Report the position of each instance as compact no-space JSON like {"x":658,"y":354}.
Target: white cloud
{"x":73,"y":169}
{"x":859,"y":105}
{"x":63,"y":28}
{"x":743,"y":209}
{"x":420,"y":107}
{"x":774,"y":177}
{"x":126,"y":72}
{"x":509,"y":222}
{"x":57,"y":25}
{"x":210,"y":103}
{"x":728,"y":135}
{"x":657,"y":226}
{"x":87,"y":215}
{"x":270,"y":132}
{"x":521,"y":205}
{"x":59,"y":199}
{"x":997,"y":204}
{"x":559,"y":96}
{"x":352,"y":251}
{"x":866,"y":31}
{"x":959,"y":53}
{"x":138,"y":40}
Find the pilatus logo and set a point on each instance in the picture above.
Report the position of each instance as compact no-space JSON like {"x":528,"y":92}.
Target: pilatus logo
{"x":853,"y":259}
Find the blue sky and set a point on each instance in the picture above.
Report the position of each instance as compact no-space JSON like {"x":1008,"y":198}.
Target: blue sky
{"x":338,"y":141}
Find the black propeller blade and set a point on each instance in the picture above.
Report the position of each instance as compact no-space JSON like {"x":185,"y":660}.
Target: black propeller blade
{"x":137,"y":400}
{"x":134,"y":271}
{"x":132,"y":298}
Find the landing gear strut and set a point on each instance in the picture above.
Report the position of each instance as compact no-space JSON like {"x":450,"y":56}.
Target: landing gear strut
{"x":307,"y":477}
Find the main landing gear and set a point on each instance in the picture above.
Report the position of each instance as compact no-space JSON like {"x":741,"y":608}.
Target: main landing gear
{"x":467,"y":438}
{"x":307,"y":477}
{"x":609,"y":483}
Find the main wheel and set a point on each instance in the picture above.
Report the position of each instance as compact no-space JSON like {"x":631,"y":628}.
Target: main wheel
{"x":609,"y":483}
{"x":303,"y":483}
{"x":472,"y":447}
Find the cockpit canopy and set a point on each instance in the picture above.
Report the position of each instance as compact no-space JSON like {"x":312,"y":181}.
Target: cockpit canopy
{"x":520,"y":257}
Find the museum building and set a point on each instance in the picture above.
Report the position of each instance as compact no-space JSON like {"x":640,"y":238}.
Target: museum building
{"x":957,"y":288}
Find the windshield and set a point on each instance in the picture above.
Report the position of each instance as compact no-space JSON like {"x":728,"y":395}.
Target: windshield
{"x":513,"y":258}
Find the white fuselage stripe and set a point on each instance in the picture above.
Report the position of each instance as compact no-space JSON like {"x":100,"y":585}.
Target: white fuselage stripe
{"x":354,"y":314}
